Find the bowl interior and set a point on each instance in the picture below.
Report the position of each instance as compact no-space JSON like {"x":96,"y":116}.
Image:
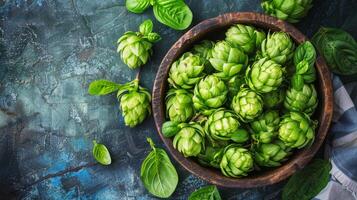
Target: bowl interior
{"x":214,"y":29}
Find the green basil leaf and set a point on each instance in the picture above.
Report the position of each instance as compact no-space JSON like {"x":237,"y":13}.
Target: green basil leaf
{"x":158,"y":174}
{"x":137,"y":6}
{"x":302,"y":67}
{"x":338,"y":48}
{"x":297,"y":82}
{"x":101,"y":153}
{"x":170,"y":129}
{"x":305,"y":51}
{"x":308,"y":182}
{"x":146,"y":27}
{"x":102,"y":87}
{"x":153,"y":37}
{"x":173,"y":13}
{"x":206,"y":193}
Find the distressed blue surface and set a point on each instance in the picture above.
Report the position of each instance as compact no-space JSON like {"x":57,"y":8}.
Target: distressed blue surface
{"x":50,"y":50}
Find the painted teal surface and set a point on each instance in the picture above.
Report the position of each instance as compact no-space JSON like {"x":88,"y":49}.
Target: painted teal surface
{"x":50,"y":50}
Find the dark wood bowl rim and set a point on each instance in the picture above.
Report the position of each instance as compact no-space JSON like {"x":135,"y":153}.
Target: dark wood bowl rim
{"x":301,"y":158}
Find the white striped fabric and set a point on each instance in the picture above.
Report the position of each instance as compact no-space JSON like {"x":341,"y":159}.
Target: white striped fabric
{"x":343,"y":150}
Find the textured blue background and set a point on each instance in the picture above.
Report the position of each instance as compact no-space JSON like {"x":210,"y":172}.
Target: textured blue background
{"x":50,"y":50}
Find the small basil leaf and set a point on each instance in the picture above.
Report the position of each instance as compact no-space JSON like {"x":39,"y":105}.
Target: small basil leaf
{"x":308,"y":182}
{"x":240,"y":136}
{"x":157,"y":173}
{"x":170,"y":129}
{"x":153,"y":37}
{"x":137,"y":6}
{"x":101,"y":153}
{"x":206,"y":193}
{"x":146,"y":27}
{"x":297,"y":82}
{"x":173,"y":13}
{"x":102,"y":87}
{"x":305,"y":51}
{"x":302,"y":67}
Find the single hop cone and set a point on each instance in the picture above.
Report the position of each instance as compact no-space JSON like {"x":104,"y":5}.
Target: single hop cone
{"x":271,"y":154}
{"x":135,"y":48}
{"x":288,"y":10}
{"x":134,"y":104}
{"x":296,"y":130}
{"x":264,"y":76}
{"x":227,"y":60}
{"x":190,"y":139}
{"x":304,"y":100}
{"x":224,"y":125}
{"x":265,"y":127}
{"x":278,"y":47}
{"x":179,"y":105}
{"x":187,"y":71}
{"x":245,"y":37}
{"x":247,"y":104}
{"x":209,"y":94}
{"x":236,"y":161}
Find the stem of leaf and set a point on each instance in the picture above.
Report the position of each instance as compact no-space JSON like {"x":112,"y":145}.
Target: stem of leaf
{"x":138,"y":75}
{"x":137,"y":79}
{"x":152,"y":145}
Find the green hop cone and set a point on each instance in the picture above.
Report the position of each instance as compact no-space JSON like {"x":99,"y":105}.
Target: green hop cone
{"x":278,"y":47}
{"x":289,"y":10}
{"x":210,"y":93}
{"x":236,"y":161}
{"x":179,"y":105}
{"x":304,"y":100}
{"x":234,"y":84}
{"x":227,"y":60}
{"x":204,"y":50}
{"x":243,"y":36}
{"x":265,"y":127}
{"x":274,"y":98}
{"x":211,"y":156}
{"x":134,"y":103}
{"x":190,"y":139}
{"x":187,"y":71}
{"x":135,"y":48}
{"x":296,"y":130}
{"x":264,"y":76}
{"x":247,"y":104}
{"x":272,"y":154}
{"x":260,"y":37}
{"x":224,"y":125}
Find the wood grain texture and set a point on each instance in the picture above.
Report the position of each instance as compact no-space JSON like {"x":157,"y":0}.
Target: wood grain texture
{"x":300,"y":157}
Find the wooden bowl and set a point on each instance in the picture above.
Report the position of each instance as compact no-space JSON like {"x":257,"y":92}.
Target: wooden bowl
{"x":214,"y":27}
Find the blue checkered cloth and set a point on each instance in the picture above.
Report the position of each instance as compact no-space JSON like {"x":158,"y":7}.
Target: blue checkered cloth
{"x":341,"y":148}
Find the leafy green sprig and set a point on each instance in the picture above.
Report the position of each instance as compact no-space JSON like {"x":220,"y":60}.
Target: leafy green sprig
{"x":173,"y":13}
